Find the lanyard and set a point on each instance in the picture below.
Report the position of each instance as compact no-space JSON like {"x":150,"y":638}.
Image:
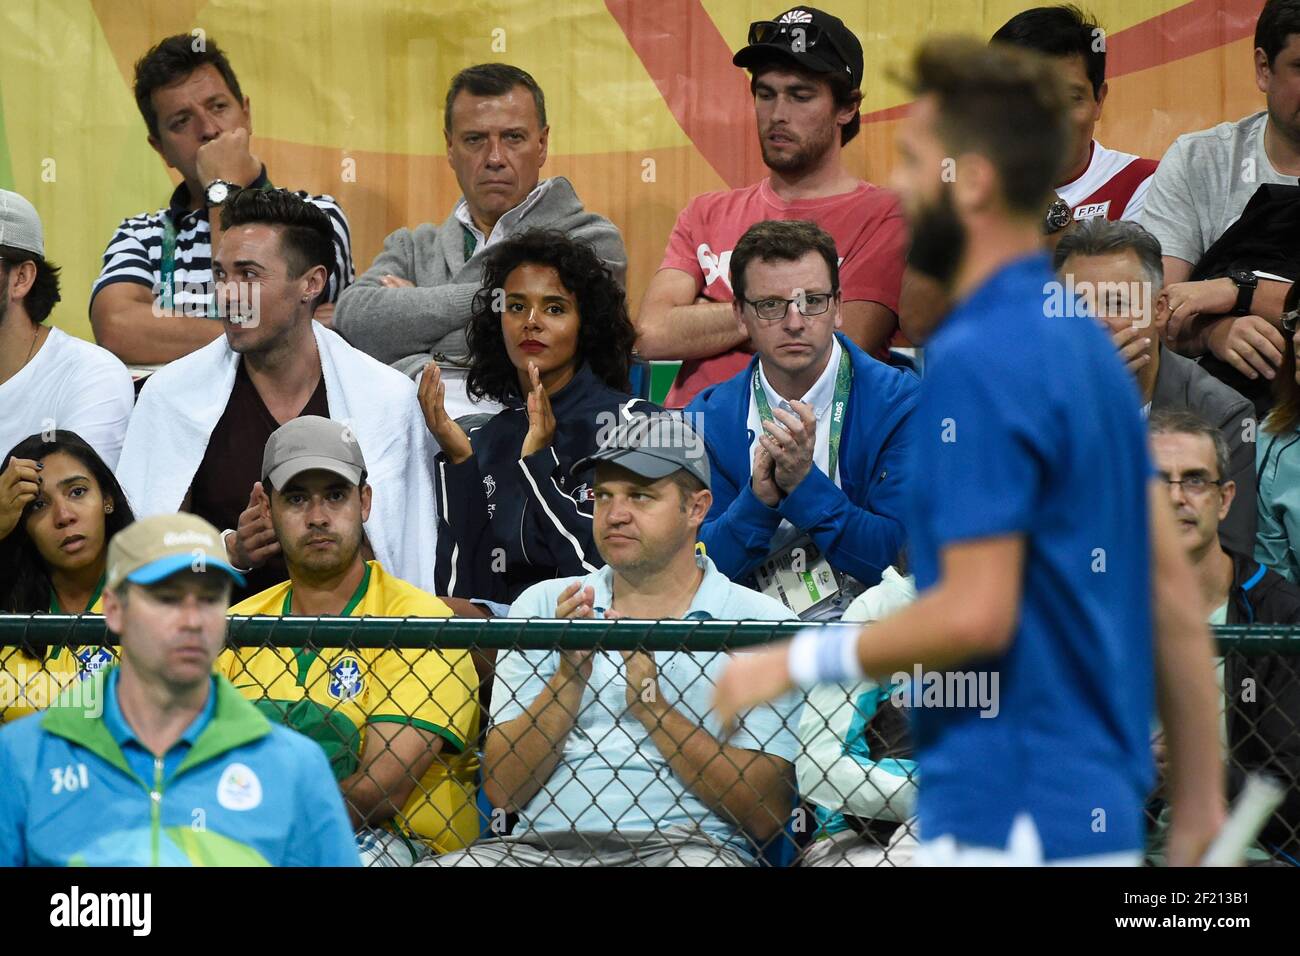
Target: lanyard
{"x":843,"y":382}
{"x":167,"y":268}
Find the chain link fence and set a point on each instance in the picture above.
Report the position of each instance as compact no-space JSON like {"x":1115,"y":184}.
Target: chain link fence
{"x":504,"y":742}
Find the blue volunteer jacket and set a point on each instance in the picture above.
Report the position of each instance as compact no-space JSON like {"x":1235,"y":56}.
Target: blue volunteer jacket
{"x":244,"y":793}
{"x":858,"y":526}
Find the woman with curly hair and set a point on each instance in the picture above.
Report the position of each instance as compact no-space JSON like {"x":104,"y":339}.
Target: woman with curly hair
{"x":550,"y":339}
{"x":59,"y":506}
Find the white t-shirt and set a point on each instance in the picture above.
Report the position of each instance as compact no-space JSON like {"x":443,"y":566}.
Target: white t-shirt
{"x":821,"y":396}
{"x":69,"y":384}
{"x":1203,"y":184}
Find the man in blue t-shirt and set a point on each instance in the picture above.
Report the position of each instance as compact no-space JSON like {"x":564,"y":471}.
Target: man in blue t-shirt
{"x":612,"y":758}
{"x":1028,"y":658}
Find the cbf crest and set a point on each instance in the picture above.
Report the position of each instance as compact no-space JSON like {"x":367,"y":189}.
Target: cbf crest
{"x":345,"y":679}
{"x":92,"y":661}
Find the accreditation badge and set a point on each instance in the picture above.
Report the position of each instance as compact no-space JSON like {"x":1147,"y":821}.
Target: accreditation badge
{"x":801,"y":578}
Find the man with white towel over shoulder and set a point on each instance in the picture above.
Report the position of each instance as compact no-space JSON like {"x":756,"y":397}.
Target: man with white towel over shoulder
{"x":196,"y":438}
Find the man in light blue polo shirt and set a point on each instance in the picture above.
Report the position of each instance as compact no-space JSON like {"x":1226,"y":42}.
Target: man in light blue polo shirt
{"x":612,"y":758}
{"x":1038,"y":533}
{"x":158,"y":762}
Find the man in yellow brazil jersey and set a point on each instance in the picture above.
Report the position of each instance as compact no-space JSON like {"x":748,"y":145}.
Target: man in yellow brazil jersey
{"x":399,"y":725}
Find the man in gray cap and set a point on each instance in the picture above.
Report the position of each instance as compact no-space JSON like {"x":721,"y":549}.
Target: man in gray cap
{"x":48,"y":379}
{"x":400,"y":726}
{"x":634,"y":727}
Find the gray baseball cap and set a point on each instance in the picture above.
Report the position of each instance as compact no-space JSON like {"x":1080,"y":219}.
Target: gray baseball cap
{"x":308,"y":443}
{"x":652,"y":446}
{"x":20,"y":226}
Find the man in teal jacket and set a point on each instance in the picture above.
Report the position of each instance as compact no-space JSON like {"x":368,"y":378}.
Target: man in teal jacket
{"x":158,"y":762}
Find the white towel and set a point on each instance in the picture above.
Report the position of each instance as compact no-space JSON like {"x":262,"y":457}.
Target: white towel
{"x":181,"y":404}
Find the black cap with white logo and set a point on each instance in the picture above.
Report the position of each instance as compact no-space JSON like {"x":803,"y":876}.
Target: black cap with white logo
{"x":815,"y":40}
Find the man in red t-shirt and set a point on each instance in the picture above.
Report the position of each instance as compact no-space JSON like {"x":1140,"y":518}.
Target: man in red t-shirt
{"x":806,"y":74}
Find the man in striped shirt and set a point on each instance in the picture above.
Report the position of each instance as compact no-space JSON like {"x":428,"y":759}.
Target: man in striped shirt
{"x":154,"y":297}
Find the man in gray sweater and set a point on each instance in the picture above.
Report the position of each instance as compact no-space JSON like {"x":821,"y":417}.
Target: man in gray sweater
{"x":1116,"y":268}
{"x":412,"y":305}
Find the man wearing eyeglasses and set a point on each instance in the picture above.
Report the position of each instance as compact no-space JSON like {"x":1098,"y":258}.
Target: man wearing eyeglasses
{"x":1263,"y":692}
{"x":806,"y":73}
{"x":808,"y":499}
{"x":1040,"y":544}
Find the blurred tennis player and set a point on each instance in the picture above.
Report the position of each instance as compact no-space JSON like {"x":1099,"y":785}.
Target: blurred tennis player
{"x":1056,"y":603}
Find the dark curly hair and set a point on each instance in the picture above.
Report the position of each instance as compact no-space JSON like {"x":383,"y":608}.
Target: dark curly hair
{"x":26,"y":579}
{"x":605,"y":333}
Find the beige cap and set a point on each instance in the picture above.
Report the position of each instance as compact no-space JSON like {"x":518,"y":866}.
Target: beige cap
{"x":308,"y":443}
{"x":155,"y":548}
{"x":20,"y":226}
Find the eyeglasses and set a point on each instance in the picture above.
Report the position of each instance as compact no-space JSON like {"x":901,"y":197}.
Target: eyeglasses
{"x":767,"y":31}
{"x":808,"y":303}
{"x":1193,"y":485}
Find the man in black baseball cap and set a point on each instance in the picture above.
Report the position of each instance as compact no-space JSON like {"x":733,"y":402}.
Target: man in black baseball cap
{"x":806,"y":71}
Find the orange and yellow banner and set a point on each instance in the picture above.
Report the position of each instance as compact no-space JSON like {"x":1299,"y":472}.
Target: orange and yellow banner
{"x":645,"y":107}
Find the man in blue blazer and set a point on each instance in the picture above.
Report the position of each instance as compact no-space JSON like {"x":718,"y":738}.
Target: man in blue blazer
{"x":807,"y":444}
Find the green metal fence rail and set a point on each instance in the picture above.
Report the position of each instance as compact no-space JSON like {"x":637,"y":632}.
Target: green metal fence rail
{"x":337,"y":678}
{"x":44,"y":630}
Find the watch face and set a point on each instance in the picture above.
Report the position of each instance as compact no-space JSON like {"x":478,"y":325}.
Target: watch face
{"x":217,"y":193}
{"x":1058,"y":215}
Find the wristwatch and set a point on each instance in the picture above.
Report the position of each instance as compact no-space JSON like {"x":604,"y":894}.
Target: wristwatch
{"x":1246,"y":283}
{"x":1058,"y":216}
{"x":218,"y":191}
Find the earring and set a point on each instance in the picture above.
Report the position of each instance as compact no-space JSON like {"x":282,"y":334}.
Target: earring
{"x":108,"y":509}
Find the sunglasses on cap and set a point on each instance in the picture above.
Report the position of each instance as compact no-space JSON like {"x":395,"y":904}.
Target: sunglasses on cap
{"x":768,"y":31}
